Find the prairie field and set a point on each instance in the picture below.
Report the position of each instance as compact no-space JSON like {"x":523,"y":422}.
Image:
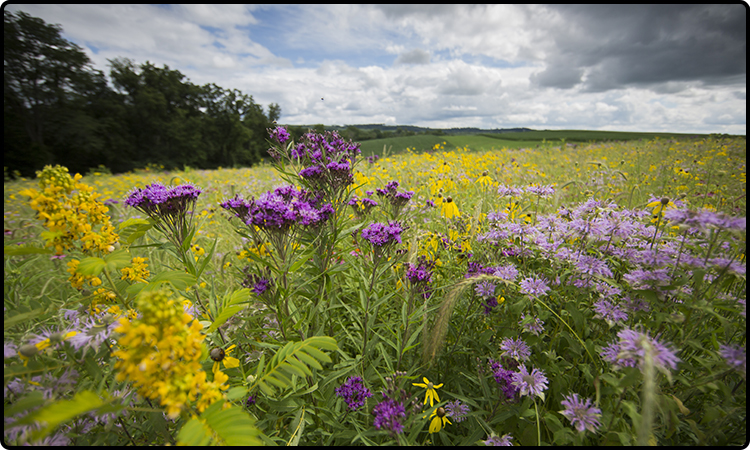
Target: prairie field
{"x":465,"y":290}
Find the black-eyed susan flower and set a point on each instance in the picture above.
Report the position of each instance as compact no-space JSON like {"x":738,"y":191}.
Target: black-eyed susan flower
{"x":431,"y":393}
{"x":449,"y":209}
{"x":221,"y":356}
{"x":438,"y":420}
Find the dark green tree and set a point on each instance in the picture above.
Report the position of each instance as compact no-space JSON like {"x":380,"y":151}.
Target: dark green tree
{"x":50,"y":91}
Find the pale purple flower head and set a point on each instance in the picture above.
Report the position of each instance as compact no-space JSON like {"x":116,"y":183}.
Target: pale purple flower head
{"x":497,"y":441}
{"x":630,"y":351}
{"x":456,"y":410}
{"x":609,"y":311}
{"x":507,"y":272}
{"x":735,"y":357}
{"x":530,"y":383}
{"x":516,"y":349}
{"x":541,"y":191}
{"x":581,"y":414}
{"x":485,"y":289}
{"x":504,"y":378}
{"x":532,"y":324}
{"x":534,"y":286}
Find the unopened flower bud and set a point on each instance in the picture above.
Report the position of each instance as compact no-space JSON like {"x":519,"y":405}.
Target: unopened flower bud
{"x":28,"y":350}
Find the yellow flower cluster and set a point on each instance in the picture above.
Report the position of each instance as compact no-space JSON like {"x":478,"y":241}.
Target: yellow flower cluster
{"x":71,"y":213}
{"x":160,"y":354}
{"x":137,"y":272}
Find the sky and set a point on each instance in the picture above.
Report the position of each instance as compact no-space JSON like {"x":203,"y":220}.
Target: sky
{"x":671,"y":68}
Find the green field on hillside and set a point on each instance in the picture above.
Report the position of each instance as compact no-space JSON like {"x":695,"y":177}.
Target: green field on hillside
{"x":488,"y":141}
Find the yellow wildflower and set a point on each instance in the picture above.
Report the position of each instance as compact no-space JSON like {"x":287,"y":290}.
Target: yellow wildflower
{"x":431,"y":393}
{"x":439,"y":420}
{"x":449,"y":209}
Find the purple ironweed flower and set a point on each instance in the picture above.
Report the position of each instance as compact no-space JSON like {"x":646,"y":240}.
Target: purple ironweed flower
{"x":381,"y":234}
{"x":516,"y":349}
{"x":171,"y":207}
{"x":354,"y":392}
{"x":735,"y":357}
{"x":259,"y":284}
{"x":504,"y":378}
{"x":499,"y":441}
{"x":396,"y":199}
{"x":630,"y":351}
{"x":530,"y":383}
{"x":387,"y":415}
{"x":456,"y":410}
{"x":609,"y":311}
{"x":581,"y":414}
{"x":532,"y":324}
{"x":250,"y":401}
{"x":279,"y":134}
{"x":534,"y":286}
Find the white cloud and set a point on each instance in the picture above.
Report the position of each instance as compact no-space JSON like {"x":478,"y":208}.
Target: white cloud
{"x":488,"y":66}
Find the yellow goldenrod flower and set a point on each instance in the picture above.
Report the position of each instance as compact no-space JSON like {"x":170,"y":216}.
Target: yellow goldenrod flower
{"x":431,"y":393}
{"x":161,"y":352}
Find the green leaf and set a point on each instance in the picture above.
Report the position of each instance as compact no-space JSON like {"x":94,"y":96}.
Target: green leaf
{"x":231,"y":305}
{"x":133,"y":229}
{"x":117,"y":260}
{"x":290,"y":359}
{"x":53,"y":415}
{"x":23,"y":317}
{"x":218,"y":426}
{"x":91,"y":266}
{"x":180,"y":280}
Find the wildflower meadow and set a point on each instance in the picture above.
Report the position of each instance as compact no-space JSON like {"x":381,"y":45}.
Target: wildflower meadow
{"x":590,"y":294}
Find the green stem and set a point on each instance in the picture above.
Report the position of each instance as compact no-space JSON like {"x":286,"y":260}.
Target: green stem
{"x":569,"y":328}
{"x":538,"y":428}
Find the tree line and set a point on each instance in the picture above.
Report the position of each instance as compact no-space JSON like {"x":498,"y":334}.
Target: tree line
{"x":58,"y":109}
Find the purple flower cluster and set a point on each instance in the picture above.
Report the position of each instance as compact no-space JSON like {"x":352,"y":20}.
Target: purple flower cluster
{"x":257,"y":283}
{"x":541,"y":191}
{"x":735,"y":357}
{"x":397,"y":199}
{"x":532,"y":324}
{"x":420,"y":275}
{"x":381,"y":234}
{"x":363,"y":206}
{"x":504,"y":378}
{"x":279,"y":134}
{"x":354,"y":393}
{"x":388,"y":415}
{"x":169,"y":206}
{"x":281,"y":209}
{"x":705,"y":219}
{"x":328,"y":161}
{"x":610,"y":311}
{"x":629,"y":351}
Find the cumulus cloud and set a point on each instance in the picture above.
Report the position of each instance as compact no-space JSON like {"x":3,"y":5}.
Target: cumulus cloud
{"x":630,"y":67}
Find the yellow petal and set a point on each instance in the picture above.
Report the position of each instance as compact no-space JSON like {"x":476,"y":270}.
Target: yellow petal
{"x":230,"y":362}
